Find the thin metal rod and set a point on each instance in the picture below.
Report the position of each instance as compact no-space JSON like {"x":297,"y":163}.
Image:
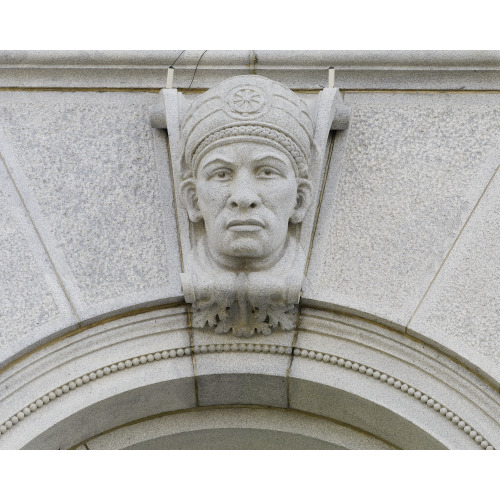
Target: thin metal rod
{"x":331,"y":78}
{"x":170,"y":77}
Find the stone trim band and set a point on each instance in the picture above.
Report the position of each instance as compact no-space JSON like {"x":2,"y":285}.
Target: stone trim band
{"x":257,"y":348}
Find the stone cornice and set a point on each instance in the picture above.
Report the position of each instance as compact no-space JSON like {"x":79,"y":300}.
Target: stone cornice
{"x":356,"y":70}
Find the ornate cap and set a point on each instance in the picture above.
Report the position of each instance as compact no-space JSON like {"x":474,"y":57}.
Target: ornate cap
{"x":248,"y":106}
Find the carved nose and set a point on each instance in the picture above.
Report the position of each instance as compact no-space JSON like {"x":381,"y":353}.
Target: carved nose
{"x":243,"y":202}
{"x":244,"y":196}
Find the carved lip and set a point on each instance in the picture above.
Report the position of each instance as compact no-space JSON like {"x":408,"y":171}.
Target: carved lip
{"x":245,"y":225}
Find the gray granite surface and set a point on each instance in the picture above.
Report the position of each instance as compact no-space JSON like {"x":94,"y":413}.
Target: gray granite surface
{"x":462,"y":307}
{"x":94,"y":178}
{"x":413,"y":169}
{"x":32,"y":301}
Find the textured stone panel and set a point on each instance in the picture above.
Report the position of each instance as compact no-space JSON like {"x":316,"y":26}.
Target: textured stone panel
{"x":462,"y":308}
{"x":25,"y":295}
{"x":88,"y":164}
{"x":31,"y":299}
{"x":414,"y":166}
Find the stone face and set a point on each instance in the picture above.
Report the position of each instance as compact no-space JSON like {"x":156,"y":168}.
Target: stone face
{"x":248,"y":157}
{"x":94,"y":177}
{"x":462,"y":307}
{"x":32,"y":302}
{"x":245,"y":185}
{"x":394,"y":342}
{"x":413,"y":168}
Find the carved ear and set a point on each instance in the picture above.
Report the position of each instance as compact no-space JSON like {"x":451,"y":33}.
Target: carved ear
{"x":190,"y":200}
{"x":304,"y":198}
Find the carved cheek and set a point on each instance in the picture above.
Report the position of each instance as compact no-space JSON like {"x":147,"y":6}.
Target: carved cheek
{"x":215,"y":198}
{"x":282,"y":195}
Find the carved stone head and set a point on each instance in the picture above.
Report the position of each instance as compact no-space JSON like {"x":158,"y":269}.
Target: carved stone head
{"x":248,"y":145}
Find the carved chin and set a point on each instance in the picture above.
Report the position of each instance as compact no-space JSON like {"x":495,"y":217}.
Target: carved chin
{"x":245,"y":247}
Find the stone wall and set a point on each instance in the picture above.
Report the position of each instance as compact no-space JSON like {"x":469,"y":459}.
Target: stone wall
{"x":406,"y":234}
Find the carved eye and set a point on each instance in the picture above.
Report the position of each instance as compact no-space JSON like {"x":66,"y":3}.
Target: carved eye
{"x":221,"y":174}
{"x":267,"y":173}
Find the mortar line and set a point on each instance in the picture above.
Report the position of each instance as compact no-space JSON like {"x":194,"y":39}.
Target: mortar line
{"x":451,"y":248}
{"x":294,"y":342}
{"x":424,"y":91}
{"x":198,"y":90}
{"x":316,"y":217}
{"x":188,"y":307}
{"x":320,"y":200}
{"x":172,"y":183}
{"x":41,"y":240}
{"x":193,"y":354}
{"x":153,"y":90}
{"x":253,"y":62}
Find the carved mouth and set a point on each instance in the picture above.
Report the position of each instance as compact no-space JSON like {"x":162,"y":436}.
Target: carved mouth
{"x":245,"y":225}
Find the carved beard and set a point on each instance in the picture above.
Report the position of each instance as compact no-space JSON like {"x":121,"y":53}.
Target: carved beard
{"x":244,"y":303}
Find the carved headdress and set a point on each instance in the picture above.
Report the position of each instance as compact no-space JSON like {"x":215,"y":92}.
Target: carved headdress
{"x":244,"y":261}
{"x":251,"y":108}
{"x":233,"y":298}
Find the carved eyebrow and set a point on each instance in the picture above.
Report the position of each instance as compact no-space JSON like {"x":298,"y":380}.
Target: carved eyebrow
{"x":218,"y":159}
{"x":268,"y":156}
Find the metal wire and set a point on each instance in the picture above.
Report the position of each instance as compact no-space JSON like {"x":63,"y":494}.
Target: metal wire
{"x":172,"y":65}
{"x":196,"y":69}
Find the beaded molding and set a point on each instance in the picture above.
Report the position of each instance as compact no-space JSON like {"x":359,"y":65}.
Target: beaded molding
{"x":249,"y":347}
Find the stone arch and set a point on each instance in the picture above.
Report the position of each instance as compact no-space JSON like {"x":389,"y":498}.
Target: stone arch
{"x":363,"y":381}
